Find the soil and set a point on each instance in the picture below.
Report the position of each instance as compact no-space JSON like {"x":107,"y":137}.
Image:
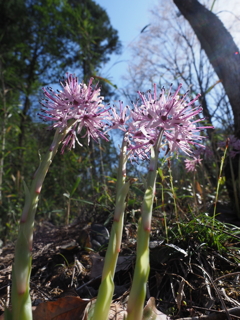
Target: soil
{"x":187,"y":278}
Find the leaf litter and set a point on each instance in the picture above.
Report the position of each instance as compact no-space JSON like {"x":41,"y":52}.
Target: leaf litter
{"x":188,"y":278}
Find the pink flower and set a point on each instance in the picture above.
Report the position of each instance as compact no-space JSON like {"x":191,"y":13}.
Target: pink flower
{"x":172,"y":114}
{"x":190,"y":164}
{"x":119,"y":121}
{"x":77,"y":103}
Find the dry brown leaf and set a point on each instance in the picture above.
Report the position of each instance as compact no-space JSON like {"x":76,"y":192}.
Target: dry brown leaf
{"x":67,"y":308}
{"x":199,"y":188}
{"x":117,"y":312}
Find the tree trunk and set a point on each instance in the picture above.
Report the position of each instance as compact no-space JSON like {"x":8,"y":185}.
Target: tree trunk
{"x":220,"y":48}
{"x":224,"y":56}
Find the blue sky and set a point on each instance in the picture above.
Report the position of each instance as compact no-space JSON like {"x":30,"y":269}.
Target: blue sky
{"x":128,"y":17}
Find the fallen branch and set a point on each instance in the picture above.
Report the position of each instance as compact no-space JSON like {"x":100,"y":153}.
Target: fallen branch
{"x":217,"y":315}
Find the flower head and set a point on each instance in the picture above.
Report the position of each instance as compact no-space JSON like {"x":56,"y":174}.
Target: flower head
{"x":75,"y":107}
{"x":190,"y":164}
{"x":119,"y":120}
{"x":172,"y":114}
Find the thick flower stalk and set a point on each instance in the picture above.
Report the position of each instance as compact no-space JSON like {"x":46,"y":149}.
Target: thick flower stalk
{"x":20,"y":298}
{"x":158,"y":119}
{"x":105,"y":293}
{"x":76,"y":107}
{"x":142,"y":267}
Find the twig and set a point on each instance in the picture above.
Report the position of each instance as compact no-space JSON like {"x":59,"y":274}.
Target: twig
{"x":216,"y":289}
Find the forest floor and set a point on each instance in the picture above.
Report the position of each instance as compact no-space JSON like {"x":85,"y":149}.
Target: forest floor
{"x":188,"y":277}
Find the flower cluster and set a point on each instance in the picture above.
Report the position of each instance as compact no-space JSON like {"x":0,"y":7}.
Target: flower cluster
{"x":191,"y":164}
{"x":80,"y":104}
{"x":169,"y":113}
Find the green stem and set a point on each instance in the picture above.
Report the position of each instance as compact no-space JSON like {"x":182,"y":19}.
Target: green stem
{"x":20,"y":298}
{"x":164,"y":215}
{"x":174,"y":197}
{"x":105,"y":293}
{"x":219,"y":182}
{"x":141,"y":272}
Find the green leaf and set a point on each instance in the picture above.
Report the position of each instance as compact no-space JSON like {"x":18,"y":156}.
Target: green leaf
{"x":105,"y":80}
{"x":75,"y":186}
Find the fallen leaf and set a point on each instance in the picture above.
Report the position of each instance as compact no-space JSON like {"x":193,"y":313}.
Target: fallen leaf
{"x":117,"y":312}
{"x":67,"y":308}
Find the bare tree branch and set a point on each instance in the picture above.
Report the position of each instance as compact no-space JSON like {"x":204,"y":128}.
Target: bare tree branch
{"x":220,"y":48}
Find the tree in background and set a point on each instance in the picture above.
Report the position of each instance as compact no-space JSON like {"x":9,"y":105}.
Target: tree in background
{"x":169,"y":49}
{"x":92,"y":31}
{"x":224,"y":56}
{"x":43,"y":39}
{"x":40,"y":40}
{"x":220,"y":49}
{"x":97,"y":40}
